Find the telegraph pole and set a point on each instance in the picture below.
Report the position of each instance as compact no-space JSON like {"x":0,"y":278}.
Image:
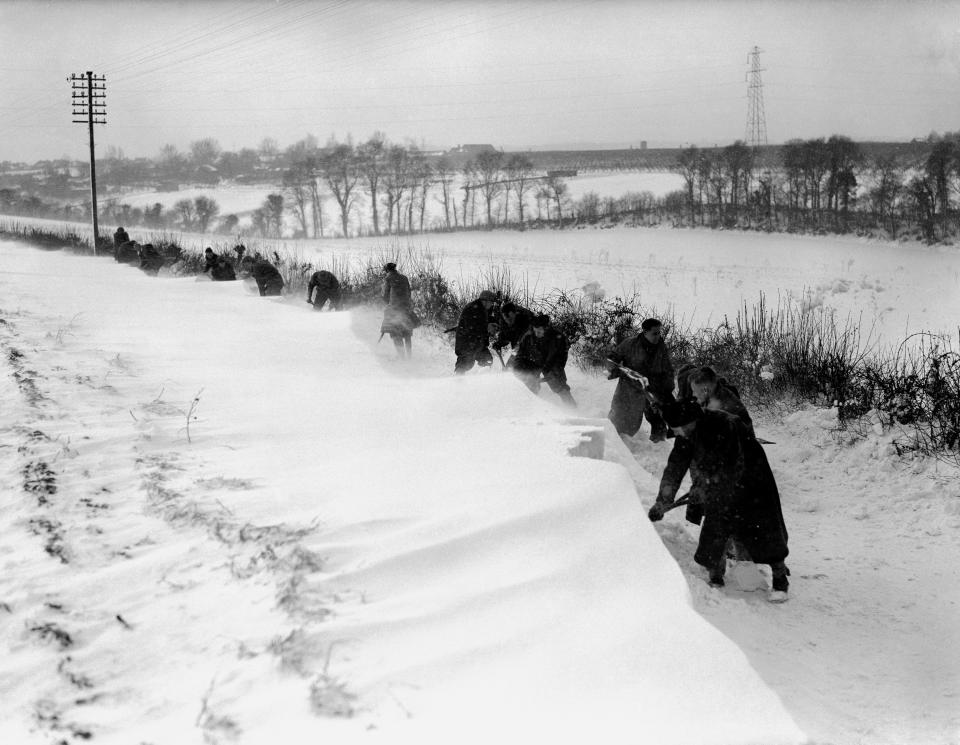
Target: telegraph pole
{"x":90,"y":107}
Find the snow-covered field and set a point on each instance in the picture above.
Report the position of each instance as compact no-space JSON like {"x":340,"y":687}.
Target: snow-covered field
{"x":333,"y":532}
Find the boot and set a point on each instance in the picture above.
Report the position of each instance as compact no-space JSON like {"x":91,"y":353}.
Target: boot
{"x":780,"y":584}
{"x":717,"y":572}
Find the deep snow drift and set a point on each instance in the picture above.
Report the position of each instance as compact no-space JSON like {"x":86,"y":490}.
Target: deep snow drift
{"x":236,"y":561}
{"x":330,"y":544}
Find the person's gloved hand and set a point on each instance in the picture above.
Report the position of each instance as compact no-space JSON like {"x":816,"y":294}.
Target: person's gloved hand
{"x":656,"y":512}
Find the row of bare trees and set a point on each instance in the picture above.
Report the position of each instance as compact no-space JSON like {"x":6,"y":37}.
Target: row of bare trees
{"x":822,"y":184}
{"x":397,"y":183}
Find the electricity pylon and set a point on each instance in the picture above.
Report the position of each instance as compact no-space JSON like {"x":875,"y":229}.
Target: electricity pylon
{"x":756,"y":117}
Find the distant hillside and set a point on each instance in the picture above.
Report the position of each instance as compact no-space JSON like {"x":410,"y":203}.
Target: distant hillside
{"x":660,"y":159}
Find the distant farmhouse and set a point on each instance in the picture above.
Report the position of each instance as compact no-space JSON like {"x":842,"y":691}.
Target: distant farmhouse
{"x":462,"y":153}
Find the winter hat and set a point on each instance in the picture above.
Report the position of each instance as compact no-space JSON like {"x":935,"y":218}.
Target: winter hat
{"x":541,"y":321}
{"x":389,"y":267}
{"x":488,"y":295}
{"x":681,"y":413}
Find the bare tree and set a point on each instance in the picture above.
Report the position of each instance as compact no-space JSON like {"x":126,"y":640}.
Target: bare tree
{"x":520,"y":172}
{"x":489,"y":166}
{"x":557,"y":191}
{"x":922,"y":192}
{"x":187,"y":211}
{"x":205,"y":209}
{"x":939,"y":167}
{"x":444,"y":174}
{"x":395,"y":182}
{"x":543,"y":198}
{"x":259,"y":222}
{"x":425,"y":179}
{"x":172,"y":162}
{"x":738,"y":161}
{"x":296,"y":180}
{"x":316,"y":202}
{"x":887,"y":189}
{"x":844,"y":157}
{"x":205,"y":152}
{"x":816,"y":164}
{"x":420,"y":175}
{"x":688,"y":163}
{"x":470,"y":180}
{"x":340,"y":171}
{"x":272,"y":209}
{"x":371,"y":157}
{"x":229,"y":223}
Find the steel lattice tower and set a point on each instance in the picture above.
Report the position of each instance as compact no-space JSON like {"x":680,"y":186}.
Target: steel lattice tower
{"x":756,"y":117}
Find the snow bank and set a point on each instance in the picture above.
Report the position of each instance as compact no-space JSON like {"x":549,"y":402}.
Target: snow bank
{"x":334,"y":544}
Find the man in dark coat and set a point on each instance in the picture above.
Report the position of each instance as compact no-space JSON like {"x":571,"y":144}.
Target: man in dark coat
{"x":543,"y":351}
{"x":222,"y":270}
{"x":647,"y":354}
{"x":733,"y":482}
{"x":127,"y":253}
{"x":703,"y":385}
{"x":327,"y":287}
{"x":684,"y":391}
{"x":712,"y":391}
{"x":119,"y":238}
{"x":151,"y":260}
{"x":266,"y":275}
{"x":399,"y":320}
{"x":209,"y":259}
{"x":514,"y":323}
{"x":473,"y":333}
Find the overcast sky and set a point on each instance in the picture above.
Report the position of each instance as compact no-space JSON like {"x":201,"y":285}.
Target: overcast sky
{"x":519,"y":74}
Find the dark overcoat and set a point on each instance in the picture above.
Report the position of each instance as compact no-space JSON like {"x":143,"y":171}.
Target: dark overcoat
{"x":268,"y":278}
{"x":119,"y":238}
{"x":151,"y":260}
{"x":629,"y":400}
{"x":733,"y":481}
{"x":510,"y":334}
{"x":546,"y":354}
{"x":396,"y":290}
{"x":473,"y":336}
{"x":222,"y":271}
{"x":398,"y":317}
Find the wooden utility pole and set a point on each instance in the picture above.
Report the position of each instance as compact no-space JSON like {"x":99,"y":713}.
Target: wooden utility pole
{"x":90,"y":107}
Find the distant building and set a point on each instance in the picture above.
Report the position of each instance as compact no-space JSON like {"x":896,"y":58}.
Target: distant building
{"x":471,"y":150}
{"x":643,"y":144}
{"x":207,"y":174}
